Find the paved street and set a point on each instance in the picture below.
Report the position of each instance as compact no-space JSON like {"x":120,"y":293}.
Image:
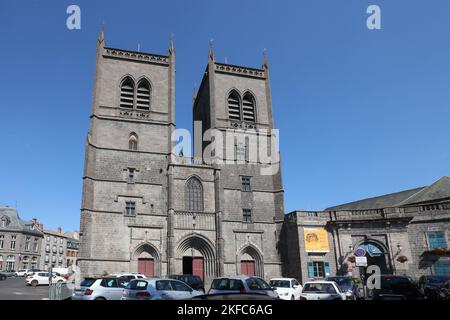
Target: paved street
{"x":15,"y":289}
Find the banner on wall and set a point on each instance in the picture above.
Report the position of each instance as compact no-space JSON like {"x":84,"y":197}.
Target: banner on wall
{"x":316,"y":240}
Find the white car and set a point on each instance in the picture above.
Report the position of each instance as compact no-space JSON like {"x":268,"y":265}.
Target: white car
{"x":23,"y":272}
{"x":322,"y":290}
{"x":287,"y":288}
{"x":42,"y":278}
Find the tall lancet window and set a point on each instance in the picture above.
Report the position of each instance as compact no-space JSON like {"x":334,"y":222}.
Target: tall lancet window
{"x":133,"y":142}
{"x":127,"y":93}
{"x":194,"y":195}
{"x":248,"y":108}
{"x":234,"y":106}
{"x":143,"y":95}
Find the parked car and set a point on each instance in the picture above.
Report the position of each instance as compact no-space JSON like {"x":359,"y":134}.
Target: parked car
{"x":444,"y":293}
{"x":107,"y":288}
{"x":23,"y":272}
{"x":322,"y":290}
{"x":158,"y":289}
{"x":195,"y":282}
{"x":242,"y":284}
{"x":395,"y":288}
{"x":3,"y":276}
{"x":287,"y":288}
{"x":347,"y":285}
{"x":43,"y":278}
{"x":430,"y":286}
{"x":9,"y":273}
{"x":129,"y":275}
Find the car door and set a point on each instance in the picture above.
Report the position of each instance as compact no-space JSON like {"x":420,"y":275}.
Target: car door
{"x":164,"y":289}
{"x":297,"y":288}
{"x":43,"y":278}
{"x":181,"y":290}
{"x":111,"y":289}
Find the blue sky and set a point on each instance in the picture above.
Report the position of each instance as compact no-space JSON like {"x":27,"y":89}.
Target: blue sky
{"x":360,"y":112}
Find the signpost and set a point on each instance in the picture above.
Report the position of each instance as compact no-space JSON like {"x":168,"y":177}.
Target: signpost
{"x":361,"y":262}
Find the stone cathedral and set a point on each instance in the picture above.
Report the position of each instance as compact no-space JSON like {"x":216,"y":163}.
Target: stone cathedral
{"x":144,"y":212}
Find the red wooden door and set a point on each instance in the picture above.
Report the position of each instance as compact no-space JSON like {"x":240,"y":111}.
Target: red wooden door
{"x":248,"y":268}
{"x":146,"y":266}
{"x":198,"y":267}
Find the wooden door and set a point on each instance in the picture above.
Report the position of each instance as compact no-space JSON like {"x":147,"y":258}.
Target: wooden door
{"x":248,"y":268}
{"x":146,"y":266}
{"x":198,"y":267}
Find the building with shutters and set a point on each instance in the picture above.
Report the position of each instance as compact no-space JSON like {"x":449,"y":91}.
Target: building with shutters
{"x":20,"y":241}
{"x":405,"y":232}
{"x":146,"y":209}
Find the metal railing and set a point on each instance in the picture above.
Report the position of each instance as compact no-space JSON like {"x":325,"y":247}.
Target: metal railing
{"x":60,"y":291}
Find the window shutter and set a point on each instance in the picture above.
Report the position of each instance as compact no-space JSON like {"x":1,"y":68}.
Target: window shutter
{"x":143,"y":96}
{"x":310,"y":270}
{"x":327,"y":269}
{"x":248,"y":108}
{"x":234,"y":109}
{"x":127,"y":94}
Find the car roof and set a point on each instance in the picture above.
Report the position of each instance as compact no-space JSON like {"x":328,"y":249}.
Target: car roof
{"x":238,"y":277}
{"x":287,"y":279}
{"x":320,"y":281}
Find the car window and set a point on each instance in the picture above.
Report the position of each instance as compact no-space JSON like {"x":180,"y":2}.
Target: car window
{"x":109,"y":283}
{"x":42,"y":274}
{"x":295,"y":283}
{"x":395,"y":283}
{"x":137,"y":285}
{"x":256,"y":284}
{"x":163,"y":285}
{"x":227,"y":284}
{"x":179,"y":286}
{"x":123,"y":282}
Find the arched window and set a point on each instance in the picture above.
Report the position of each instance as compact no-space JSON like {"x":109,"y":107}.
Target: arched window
{"x":234,"y":108}
{"x":143,"y":95}
{"x":127,"y":93}
{"x":194,"y":195}
{"x":133,"y":142}
{"x":248,"y":107}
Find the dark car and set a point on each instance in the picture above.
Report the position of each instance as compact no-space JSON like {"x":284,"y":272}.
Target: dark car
{"x":234,"y":296}
{"x":444,"y":293}
{"x":3,"y":276}
{"x":195,"y":282}
{"x":395,"y":288}
{"x":347,"y":285}
{"x":430,"y":286}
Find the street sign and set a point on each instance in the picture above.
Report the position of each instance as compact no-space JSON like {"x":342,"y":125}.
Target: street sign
{"x":361,"y":261}
{"x":360,"y":252}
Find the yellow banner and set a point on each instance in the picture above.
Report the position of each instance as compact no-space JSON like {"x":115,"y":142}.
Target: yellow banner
{"x":316,"y":240}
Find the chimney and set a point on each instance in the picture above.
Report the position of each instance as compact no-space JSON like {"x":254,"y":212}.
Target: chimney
{"x":59,"y":231}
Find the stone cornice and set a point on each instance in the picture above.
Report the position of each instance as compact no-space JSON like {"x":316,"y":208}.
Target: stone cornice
{"x":238,"y":70}
{"x":136,"y":56}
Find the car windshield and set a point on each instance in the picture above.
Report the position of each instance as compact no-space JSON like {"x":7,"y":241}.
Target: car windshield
{"x":257,"y":284}
{"x":395,"y":283}
{"x":87,"y":282}
{"x":438,"y":280}
{"x":137,"y":285}
{"x":280,"y":283}
{"x":226,"y":284}
{"x":319,"y":288}
{"x":344,"y":282}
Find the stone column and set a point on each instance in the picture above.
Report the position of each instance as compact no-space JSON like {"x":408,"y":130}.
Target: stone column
{"x":170,"y":222}
{"x":218,"y":191}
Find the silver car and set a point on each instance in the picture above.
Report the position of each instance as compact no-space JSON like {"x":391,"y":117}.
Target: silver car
{"x":109,"y":288}
{"x":242,"y":284}
{"x":158,"y":289}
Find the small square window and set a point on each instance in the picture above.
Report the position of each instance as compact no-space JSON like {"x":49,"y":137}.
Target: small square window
{"x":131,"y":175}
{"x":130,"y":208}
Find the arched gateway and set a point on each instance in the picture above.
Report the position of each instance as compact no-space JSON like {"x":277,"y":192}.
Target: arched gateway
{"x":196,"y":256}
{"x":146,"y":260}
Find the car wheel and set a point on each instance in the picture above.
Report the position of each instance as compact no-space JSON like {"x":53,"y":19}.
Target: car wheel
{"x":292,"y":297}
{"x":34,"y":283}
{"x":100,"y":298}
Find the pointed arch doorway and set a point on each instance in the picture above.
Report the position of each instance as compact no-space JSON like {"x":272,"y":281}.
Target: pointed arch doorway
{"x":146,"y":260}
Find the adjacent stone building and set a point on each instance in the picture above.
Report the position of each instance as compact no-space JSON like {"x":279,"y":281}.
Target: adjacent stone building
{"x":144,"y":208}
{"x":403,"y":233}
{"x":20,"y":241}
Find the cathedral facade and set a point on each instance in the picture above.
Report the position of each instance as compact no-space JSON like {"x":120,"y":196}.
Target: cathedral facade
{"x":148,"y":210}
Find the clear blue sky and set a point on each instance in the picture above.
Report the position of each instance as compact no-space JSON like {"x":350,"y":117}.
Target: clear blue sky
{"x":360,"y":112}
